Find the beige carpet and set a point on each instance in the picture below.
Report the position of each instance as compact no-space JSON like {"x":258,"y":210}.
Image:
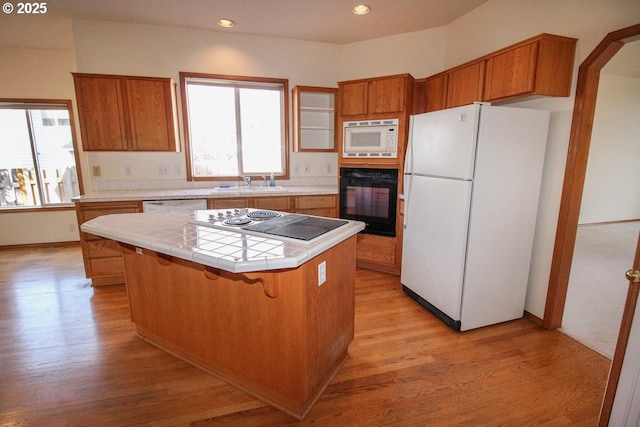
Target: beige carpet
{"x":597,"y":286}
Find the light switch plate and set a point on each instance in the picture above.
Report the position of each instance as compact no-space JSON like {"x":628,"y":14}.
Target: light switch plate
{"x":322,"y":273}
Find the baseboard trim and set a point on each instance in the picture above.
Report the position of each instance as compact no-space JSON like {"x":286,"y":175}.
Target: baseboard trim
{"x":28,"y":246}
{"x":533,"y":318}
{"x":622,"y":221}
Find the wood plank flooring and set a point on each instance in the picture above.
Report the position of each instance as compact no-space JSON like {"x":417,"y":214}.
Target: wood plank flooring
{"x":69,"y":356}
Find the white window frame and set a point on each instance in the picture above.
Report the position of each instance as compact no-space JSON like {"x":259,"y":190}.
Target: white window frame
{"x":237,"y":82}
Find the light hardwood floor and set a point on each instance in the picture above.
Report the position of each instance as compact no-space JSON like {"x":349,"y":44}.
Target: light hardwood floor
{"x":69,"y":356}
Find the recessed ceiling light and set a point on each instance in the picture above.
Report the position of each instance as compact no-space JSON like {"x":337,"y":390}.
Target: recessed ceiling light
{"x":226,"y":23}
{"x":361,"y":9}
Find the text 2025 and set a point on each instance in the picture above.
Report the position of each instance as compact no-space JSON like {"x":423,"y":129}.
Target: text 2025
{"x":32,"y":8}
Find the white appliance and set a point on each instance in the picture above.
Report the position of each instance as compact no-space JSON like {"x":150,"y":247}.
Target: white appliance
{"x":373,"y":138}
{"x":173,"y":205}
{"x":472,"y":183}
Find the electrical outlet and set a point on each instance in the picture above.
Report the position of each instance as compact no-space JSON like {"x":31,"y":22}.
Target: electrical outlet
{"x":322,"y":273}
{"x":96,"y":171}
{"x":163,"y":170}
{"x":178,"y":169}
{"x":127,"y":170}
{"x":296,"y":169}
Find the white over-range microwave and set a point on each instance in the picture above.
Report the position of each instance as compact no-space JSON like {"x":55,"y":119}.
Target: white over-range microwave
{"x":373,"y":138}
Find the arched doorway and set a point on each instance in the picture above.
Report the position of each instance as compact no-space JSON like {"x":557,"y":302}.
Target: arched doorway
{"x":578,"y":152}
{"x":575,"y":171}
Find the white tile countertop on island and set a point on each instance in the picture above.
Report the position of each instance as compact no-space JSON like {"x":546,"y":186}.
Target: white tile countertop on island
{"x":235,"y":250}
{"x":205,"y":193}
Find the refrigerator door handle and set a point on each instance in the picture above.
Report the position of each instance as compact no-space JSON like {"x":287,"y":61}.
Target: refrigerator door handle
{"x":407,"y":200}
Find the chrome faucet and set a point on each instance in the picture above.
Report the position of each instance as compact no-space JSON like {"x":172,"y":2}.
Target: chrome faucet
{"x":247,"y":180}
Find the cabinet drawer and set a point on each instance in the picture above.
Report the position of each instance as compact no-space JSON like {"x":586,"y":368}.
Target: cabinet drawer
{"x":102,"y":248}
{"x":376,"y":249}
{"x":227,"y":203}
{"x":327,"y":212}
{"x":107,"y":266}
{"x":273,"y":203}
{"x":91,"y":213}
{"x":316,"y":202}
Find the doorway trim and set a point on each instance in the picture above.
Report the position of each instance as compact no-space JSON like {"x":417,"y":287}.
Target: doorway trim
{"x":576,"y":168}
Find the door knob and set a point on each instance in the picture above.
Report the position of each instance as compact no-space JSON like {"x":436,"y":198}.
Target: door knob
{"x":633,"y":275}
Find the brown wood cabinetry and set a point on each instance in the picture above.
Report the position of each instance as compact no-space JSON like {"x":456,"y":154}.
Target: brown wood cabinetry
{"x":314,"y":118}
{"x":353,"y":98}
{"x":318,"y":205}
{"x":465,"y":84}
{"x":122,"y":113}
{"x":541,"y":65}
{"x":275,"y":334}
{"x":282,"y":204}
{"x":437,"y":92}
{"x":376,"y":96}
{"x":372,"y":99}
{"x":387,"y":95}
{"x":229,"y":203}
{"x":102,"y":260}
{"x":377,"y":252}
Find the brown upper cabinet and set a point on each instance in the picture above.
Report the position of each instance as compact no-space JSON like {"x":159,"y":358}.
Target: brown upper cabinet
{"x":465,"y":84}
{"x":383,"y":95}
{"x":436,"y":89}
{"x":122,"y":113}
{"x":353,"y":98}
{"x":541,"y":65}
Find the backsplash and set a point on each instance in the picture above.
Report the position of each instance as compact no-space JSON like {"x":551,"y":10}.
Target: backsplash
{"x":168,"y":184}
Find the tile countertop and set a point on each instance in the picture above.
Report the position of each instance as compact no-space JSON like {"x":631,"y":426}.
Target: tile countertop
{"x":205,"y":193}
{"x":233,"y":250}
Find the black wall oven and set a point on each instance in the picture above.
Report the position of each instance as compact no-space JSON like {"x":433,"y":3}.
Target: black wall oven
{"x":370,"y":195}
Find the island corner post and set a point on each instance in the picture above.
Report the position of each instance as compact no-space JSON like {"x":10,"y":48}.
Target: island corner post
{"x":277,"y":334}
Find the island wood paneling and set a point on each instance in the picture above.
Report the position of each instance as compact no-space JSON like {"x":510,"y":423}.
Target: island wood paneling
{"x":277,"y":334}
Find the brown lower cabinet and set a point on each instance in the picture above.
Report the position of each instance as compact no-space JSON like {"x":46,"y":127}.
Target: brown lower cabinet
{"x":102,"y":259}
{"x":275,"y":334}
{"x":379,"y":253}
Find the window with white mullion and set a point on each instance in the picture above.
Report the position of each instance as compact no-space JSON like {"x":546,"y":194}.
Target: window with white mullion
{"x":234,"y":127}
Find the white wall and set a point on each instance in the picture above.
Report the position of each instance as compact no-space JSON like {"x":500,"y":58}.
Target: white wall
{"x":613,"y":176}
{"x":128,"y":49}
{"x":37,"y":74}
{"x":420,"y":53}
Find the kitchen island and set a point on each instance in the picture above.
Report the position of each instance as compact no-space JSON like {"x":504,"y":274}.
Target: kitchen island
{"x":270,"y":314}
{"x":102,"y":260}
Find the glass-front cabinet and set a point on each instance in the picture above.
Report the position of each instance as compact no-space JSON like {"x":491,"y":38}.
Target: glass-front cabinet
{"x":314,"y":118}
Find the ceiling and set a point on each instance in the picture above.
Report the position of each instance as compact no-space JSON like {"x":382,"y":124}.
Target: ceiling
{"x":329,"y":21}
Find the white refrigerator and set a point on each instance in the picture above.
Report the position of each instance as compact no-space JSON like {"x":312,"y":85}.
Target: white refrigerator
{"x":471,"y":188}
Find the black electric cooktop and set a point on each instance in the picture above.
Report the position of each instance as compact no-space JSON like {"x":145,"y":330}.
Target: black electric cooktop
{"x":296,"y":226}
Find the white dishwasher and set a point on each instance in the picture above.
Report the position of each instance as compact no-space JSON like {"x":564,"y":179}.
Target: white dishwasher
{"x":173,"y":205}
